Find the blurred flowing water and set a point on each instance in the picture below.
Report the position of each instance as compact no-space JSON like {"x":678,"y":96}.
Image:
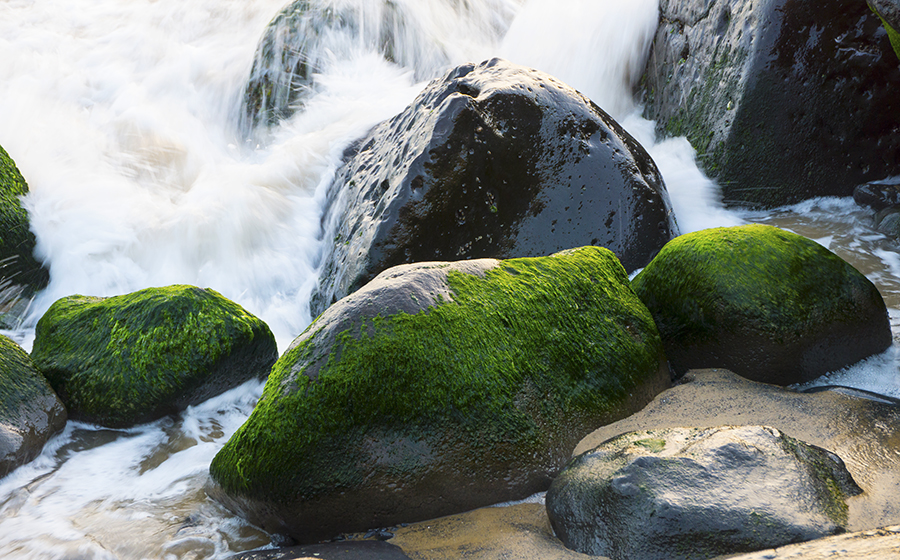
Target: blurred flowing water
{"x":125,"y":119}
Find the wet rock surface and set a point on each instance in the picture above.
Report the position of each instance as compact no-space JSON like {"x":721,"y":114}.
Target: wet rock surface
{"x":130,"y":359}
{"x":694,"y":493}
{"x":439,"y":388}
{"x":30,"y":412}
{"x":755,"y":87}
{"x":349,"y":550}
{"x":495,"y":160}
{"x":768,"y":304}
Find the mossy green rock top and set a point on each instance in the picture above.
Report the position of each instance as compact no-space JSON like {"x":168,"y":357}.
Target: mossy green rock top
{"x":134,"y":358}
{"x":30,"y":412}
{"x":695,"y":493}
{"x":439,"y":388}
{"x":18,"y":267}
{"x":768,"y":304}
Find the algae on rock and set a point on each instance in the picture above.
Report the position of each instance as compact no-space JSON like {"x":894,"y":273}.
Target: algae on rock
{"x":133,"y":358}
{"x":439,"y":388}
{"x":766,"y":303}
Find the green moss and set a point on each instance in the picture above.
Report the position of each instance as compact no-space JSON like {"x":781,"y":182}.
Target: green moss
{"x":20,"y":382}
{"x":124,"y":359}
{"x":769,"y":279}
{"x":893,"y":35}
{"x":654,"y":445}
{"x":535,"y":341}
{"x":17,"y":243}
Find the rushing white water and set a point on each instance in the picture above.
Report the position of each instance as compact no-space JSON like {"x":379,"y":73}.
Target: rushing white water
{"x":123,"y":117}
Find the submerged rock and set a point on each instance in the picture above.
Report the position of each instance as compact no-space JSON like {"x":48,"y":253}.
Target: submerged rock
{"x":783,"y":100}
{"x":30,"y":412}
{"x":20,"y":273}
{"x":495,"y":160}
{"x":438,"y":388}
{"x":693,"y":493}
{"x":765,"y":303}
{"x":134,"y":358}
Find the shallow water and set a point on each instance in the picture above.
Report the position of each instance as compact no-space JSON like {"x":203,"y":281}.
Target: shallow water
{"x":123,"y":117}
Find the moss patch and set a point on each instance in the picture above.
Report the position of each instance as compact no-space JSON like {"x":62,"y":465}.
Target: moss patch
{"x":126,"y":359}
{"x":17,"y":263}
{"x":22,"y":387}
{"x":534,"y":343}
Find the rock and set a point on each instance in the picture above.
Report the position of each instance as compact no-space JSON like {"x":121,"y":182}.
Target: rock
{"x":20,"y":273}
{"x":438,"y":388}
{"x":883,"y":544}
{"x":134,"y":358}
{"x":889,"y":12}
{"x":783,"y":100}
{"x":763,"y":302}
{"x":30,"y":412}
{"x":861,"y":431}
{"x":878,"y":195}
{"x":306,"y":37}
{"x":347,"y":550}
{"x":495,"y":160}
{"x":693,"y":493}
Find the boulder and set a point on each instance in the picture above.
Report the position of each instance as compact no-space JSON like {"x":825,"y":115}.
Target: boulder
{"x":438,"y":388}
{"x":495,"y":160}
{"x":889,"y":12}
{"x":20,"y":273}
{"x":783,"y":100}
{"x":129,"y":359}
{"x":878,"y":195}
{"x":30,"y":412}
{"x":763,"y":302}
{"x":693,"y":493}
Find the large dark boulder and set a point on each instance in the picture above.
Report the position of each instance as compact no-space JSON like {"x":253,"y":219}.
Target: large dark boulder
{"x":495,"y":160}
{"x":784,"y":100}
{"x":20,"y":273}
{"x":765,"y":303}
{"x":134,"y":358}
{"x":30,"y":412}
{"x":439,"y":388}
{"x":694,"y":493}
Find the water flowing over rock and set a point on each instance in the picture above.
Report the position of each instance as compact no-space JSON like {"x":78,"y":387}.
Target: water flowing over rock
{"x":438,"y":388}
{"x":20,"y":273}
{"x":765,"y":303}
{"x":783,"y":100}
{"x":693,"y":493}
{"x":495,"y":160}
{"x":307,"y":36}
{"x":30,"y":412}
{"x":134,"y":358}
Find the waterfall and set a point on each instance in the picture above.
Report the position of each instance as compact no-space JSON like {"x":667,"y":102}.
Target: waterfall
{"x":126,"y":120}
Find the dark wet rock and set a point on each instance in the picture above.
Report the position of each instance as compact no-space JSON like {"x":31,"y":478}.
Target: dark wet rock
{"x":693,"y":493}
{"x":783,"y":100}
{"x":438,"y":388}
{"x":882,"y":543}
{"x":878,"y":195}
{"x":30,"y":412}
{"x":495,"y":160}
{"x":765,"y":303}
{"x":305,"y":37}
{"x":889,"y":12}
{"x":20,"y":273}
{"x":134,"y":358}
{"x":346,"y":550}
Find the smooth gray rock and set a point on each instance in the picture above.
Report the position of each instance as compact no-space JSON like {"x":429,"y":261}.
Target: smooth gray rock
{"x":783,"y":100}
{"x":693,"y":493}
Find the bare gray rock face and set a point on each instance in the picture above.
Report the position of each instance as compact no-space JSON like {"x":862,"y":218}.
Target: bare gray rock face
{"x":698,"y":492}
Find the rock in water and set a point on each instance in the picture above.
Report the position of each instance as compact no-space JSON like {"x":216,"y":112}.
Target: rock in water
{"x":783,"y":100}
{"x":20,"y":273}
{"x":694,"y":493}
{"x":768,"y":304}
{"x":134,"y":358}
{"x":495,"y":160}
{"x":439,"y":388}
{"x":30,"y":412}
{"x":889,"y":12}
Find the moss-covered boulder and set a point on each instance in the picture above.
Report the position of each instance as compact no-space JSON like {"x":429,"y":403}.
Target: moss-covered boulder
{"x":439,"y":388}
{"x":30,"y":412}
{"x":695,"y":493}
{"x":20,"y":273}
{"x":783,"y":100}
{"x":765,"y":303}
{"x":134,"y":358}
{"x":889,"y":12}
